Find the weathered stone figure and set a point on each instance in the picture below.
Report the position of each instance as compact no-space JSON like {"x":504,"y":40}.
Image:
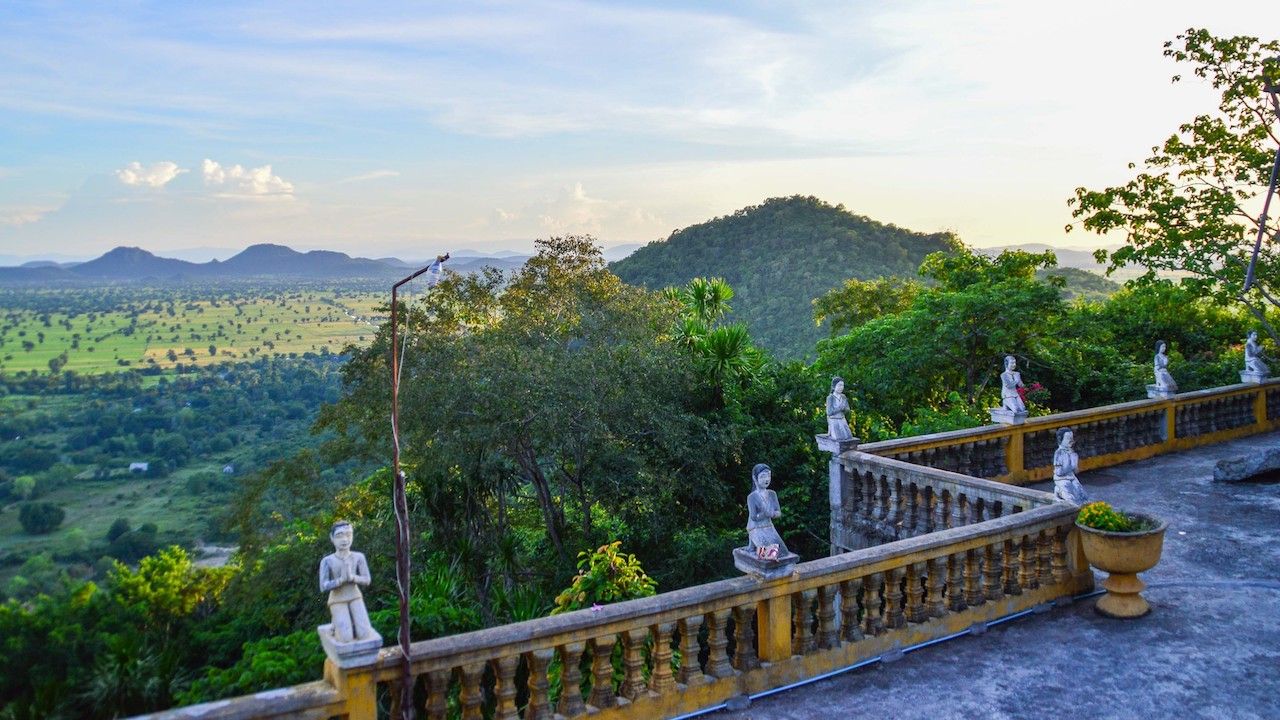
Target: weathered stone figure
{"x":1066,"y":486}
{"x":341,"y":575}
{"x":838,"y":411}
{"x":1010,"y":381}
{"x":762,"y":509}
{"x":1252,"y":357}
{"x":1164,"y":381}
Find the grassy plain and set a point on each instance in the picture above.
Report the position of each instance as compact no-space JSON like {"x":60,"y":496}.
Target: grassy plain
{"x":148,"y":329}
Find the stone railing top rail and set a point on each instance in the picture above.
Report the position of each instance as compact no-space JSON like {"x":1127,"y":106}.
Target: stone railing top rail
{"x":608,"y":620}
{"x":977,"y":487}
{"x":277,"y":702}
{"x":1059,"y":419}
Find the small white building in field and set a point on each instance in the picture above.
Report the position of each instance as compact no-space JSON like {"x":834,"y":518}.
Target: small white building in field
{"x":139,"y":467}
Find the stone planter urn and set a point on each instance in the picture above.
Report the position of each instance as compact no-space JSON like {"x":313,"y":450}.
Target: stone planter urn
{"x":1123,"y":555}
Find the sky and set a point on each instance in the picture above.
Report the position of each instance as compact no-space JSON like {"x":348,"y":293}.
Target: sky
{"x":408,"y":129}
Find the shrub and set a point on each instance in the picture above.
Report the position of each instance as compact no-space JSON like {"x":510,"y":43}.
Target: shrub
{"x":605,"y":576}
{"x":41,"y":518}
{"x":1101,"y":516}
{"x":118,"y":528}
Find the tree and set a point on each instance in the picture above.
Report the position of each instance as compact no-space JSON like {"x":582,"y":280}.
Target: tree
{"x":858,"y":302}
{"x":40,"y":518}
{"x":1190,"y":208}
{"x":118,"y":528}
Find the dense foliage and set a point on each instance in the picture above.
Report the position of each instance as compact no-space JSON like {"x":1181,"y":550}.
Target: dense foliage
{"x":1193,"y":206}
{"x":779,"y":256}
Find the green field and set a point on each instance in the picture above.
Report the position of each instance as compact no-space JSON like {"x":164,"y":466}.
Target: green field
{"x":142,"y":327}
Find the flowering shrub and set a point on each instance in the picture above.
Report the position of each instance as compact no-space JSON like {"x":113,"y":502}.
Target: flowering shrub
{"x":1033,"y":394}
{"x":1101,"y":516}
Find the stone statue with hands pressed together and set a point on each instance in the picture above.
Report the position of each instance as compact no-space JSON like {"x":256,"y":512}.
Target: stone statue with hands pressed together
{"x":762,"y":510}
{"x":1010,"y":381}
{"x":341,"y":575}
{"x":838,"y":412}
{"x":1066,"y":486}
{"x":1253,"y":362}
{"x":1164,"y":381}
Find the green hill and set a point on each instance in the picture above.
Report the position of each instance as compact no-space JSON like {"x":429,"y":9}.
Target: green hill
{"x":1081,"y":283}
{"x":778,"y":256}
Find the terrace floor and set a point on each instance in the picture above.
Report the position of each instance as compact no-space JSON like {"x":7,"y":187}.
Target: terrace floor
{"x":1209,"y":649}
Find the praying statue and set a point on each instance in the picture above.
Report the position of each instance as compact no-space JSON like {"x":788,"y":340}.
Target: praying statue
{"x":1010,"y":381}
{"x":341,"y":575}
{"x":837,"y":412}
{"x":1252,"y":359}
{"x":1066,"y":486}
{"x":1164,"y":381}
{"x":762,"y":508}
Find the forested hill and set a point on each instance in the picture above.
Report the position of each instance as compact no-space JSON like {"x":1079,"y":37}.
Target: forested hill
{"x":779,"y":256}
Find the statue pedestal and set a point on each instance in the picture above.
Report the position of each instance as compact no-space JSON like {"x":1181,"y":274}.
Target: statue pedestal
{"x":348,"y":655}
{"x":1248,"y":376}
{"x":746,"y":561}
{"x":1008,"y":417}
{"x":836,"y":447}
{"x":1155,"y":393}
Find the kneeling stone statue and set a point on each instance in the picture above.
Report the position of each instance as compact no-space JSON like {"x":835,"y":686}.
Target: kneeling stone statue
{"x":1066,"y":486}
{"x":350,"y":639}
{"x":765,"y":555}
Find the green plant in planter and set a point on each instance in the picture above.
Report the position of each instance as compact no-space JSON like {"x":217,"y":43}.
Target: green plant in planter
{"x":1101,"y":516}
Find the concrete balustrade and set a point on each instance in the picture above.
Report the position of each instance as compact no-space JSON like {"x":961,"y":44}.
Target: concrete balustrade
{"x":960,"y":551}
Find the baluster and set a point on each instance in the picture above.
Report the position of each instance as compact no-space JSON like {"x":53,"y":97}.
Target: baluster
{"x":1011,"y":586}
{"x":873,"y":624}
{"x":934,"y":606}
{"x":955,"y":586}
{"x":979,"y":507}
{"x":602,"y":696}
{"x":571,"y":704}
{"x":504,"y":688}
{"x":633,"y":662}
{"x":850,"y":590}
{"x":661,"y":680}
{"x":947,"y":520}
{"x":962,"y":510}
{"x":472,"y":696}
{"x":992,"y":572}
{"x":894,"y":519}
{"x":539,"y":707}
{"x":828,"y":632}
{"x":872,"y":499}
{"x":802,"y":639}
{"x":1060,"y":572}
{"x":913,"y":508}
{"x":915,"y":591}
{"x":690,"y":672}
{"x":972,"y":580}
{"x":718,"y":665}
{"x":893,"y":615}
{"x":744,"y":637}
{"x":1027,"y":560}
{"x":1046,"y":560}
{"x":393,"y":691}
{"x":438,"y":694}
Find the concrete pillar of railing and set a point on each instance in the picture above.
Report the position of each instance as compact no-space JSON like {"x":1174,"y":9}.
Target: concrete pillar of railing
{"x":840,"y":486}
{"x":1013,"y":459}
{"x":357,"y":687}
{"x":1260,"y":407}
{"x":773,"y":623}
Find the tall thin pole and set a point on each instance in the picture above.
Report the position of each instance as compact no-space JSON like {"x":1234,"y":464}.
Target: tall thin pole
{"x":1274,"y":91}
{"x":400,"y":504}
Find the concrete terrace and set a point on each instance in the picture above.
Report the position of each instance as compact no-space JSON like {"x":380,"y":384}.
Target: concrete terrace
{"x":1209,"y":649}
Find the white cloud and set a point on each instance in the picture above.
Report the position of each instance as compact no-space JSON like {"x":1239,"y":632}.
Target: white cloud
{"x":155,"y":175}
{"x":24,"y":216}
{"x":236,"y":180}
{"x":373,"y":175}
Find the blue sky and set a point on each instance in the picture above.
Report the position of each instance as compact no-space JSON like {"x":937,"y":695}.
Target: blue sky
{"x":406,"y":129}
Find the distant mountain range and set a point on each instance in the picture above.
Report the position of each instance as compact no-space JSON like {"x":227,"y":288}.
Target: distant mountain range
{"x":130,"y":264}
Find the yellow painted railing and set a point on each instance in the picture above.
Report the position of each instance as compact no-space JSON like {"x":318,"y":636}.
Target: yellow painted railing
{"x":1104,"y":436}
{"x":993,"y":550}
